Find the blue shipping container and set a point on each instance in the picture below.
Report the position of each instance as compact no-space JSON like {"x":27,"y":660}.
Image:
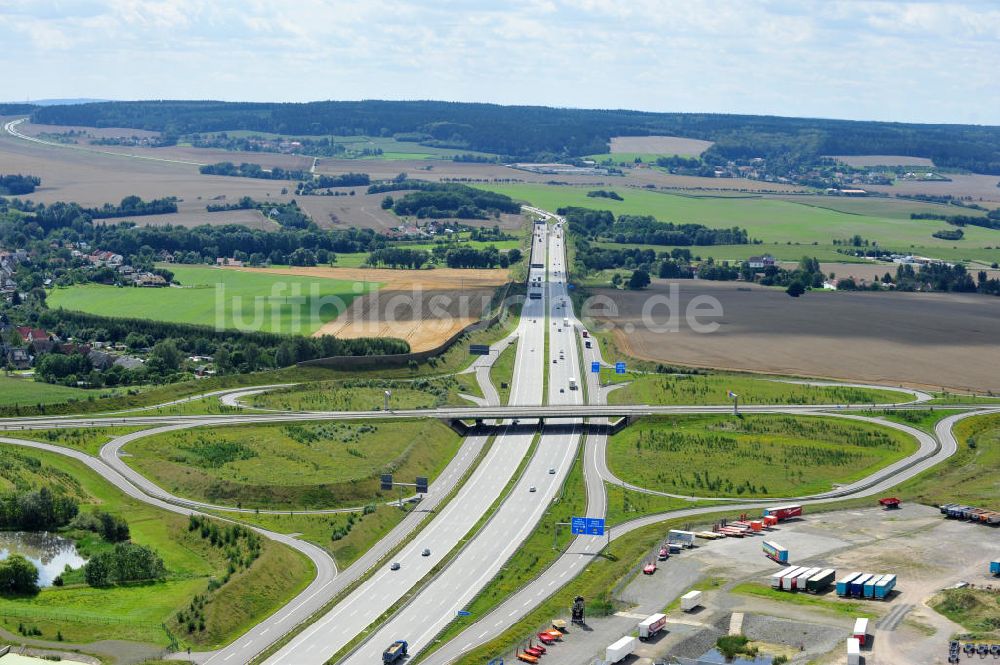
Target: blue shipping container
{"x":995,"y":567}
{"x":885,"y":587}
{"x":858,"y":584}
{"x":869,"y":589}
{"x":844,"y":584}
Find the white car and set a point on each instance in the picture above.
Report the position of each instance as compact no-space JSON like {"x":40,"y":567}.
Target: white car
{"x":531,"y":489}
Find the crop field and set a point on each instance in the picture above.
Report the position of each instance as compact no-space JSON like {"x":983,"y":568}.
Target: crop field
{"x":769,"y":220}
{"x":84,"y":614}
{"x":751,"y":456}
{"x":305,"y":465}
{"x":423,"y":307}
{"x":882,"y":160}
{"x":924,"y":339}
{"x":224,"y":298}
{"x":659,"y":145}
{"x":714,"y":389}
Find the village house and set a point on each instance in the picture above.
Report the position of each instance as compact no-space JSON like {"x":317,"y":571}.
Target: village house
{"x":760,"y":262}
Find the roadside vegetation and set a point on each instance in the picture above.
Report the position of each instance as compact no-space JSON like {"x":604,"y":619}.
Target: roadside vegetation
{"x":502,"y":372}
{"x":828,"y":602}
{"x":293,"y":466}
{"x":86,"y":439}
{"x":712,"y":388}
{"x":362,"y":395}
{"x":751,"y":456}
{"x":177,"y":566}
{"x":974,"y":609}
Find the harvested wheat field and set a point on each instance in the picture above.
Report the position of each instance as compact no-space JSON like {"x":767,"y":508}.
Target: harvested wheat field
{"x":917,"y":339}
{"x":423,"y":307}
{"x":659,"y":145}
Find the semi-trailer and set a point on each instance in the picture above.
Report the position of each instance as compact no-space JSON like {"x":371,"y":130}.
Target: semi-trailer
{"x":801,"y":580}
{"x":858,"y":584}
{"x":651,"y":625}
{"x":620,"y":649}
{"x":776,"y":578}
{"x":995,"y":567}
{"x":786,"y":581}
{"x":774,"y":551}
{"x":783,"y":512}
{"x":844,"y":584}
{"x":884,"y":587}
{"x":860,"y":632}
{"x":868,"y":591}
{"x":821,"y":580}
{"x":853,"y":651}
{"x":685,"y":538}
{"x":690,"y":600}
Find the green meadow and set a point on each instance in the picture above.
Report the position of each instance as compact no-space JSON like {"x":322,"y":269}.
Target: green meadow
{"x":785,"y":221}
{"x":221,"y":297}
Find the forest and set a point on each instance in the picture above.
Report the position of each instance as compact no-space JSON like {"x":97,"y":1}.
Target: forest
{"x":646,"y":230}
{"x":542,"y":133}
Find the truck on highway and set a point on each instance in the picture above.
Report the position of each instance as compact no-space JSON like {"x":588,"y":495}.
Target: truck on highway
{"x":651,"y":625}
{"x":535,"y":295}
{"x":572,"y":383}
{"x":784,"y":512}
{"x":396,"y":651}
{"x":619,"y":650}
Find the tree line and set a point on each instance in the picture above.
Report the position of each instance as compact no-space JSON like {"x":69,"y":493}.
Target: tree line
{"x":645,"y":230}
{"x":541,"y":133}
{"x":441,"y":200}
{"x":16,"y":185}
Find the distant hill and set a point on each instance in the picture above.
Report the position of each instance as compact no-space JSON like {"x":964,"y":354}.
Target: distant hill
{"x":539,"y":133}
{"x":67,"y":101}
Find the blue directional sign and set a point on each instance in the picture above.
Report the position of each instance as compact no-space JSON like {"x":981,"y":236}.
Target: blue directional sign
{"x":464,"y":613}
{"x":587,"y":526}
{"x":619,"y":368}
{"x":595,"y":367}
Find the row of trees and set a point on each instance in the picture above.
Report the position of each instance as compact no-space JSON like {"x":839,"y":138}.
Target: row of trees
{"x":37,"y":510}
{"x":252,"y":170}
{"x":17,"y":185}
{"x":646,"y":230}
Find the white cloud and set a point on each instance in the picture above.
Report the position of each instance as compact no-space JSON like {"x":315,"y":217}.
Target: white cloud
{"x":906,"y":60}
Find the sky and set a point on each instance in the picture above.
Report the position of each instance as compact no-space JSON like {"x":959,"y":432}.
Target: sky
{"x":934,"y":61}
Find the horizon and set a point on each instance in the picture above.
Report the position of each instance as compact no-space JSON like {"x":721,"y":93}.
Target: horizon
{"x":925,"y":62}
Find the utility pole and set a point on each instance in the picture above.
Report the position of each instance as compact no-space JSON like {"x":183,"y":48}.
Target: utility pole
{"x":736,"y":403}
{"x":387,"y":395}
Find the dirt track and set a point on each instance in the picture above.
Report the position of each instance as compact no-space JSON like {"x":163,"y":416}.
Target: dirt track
{"x":928,"y":340}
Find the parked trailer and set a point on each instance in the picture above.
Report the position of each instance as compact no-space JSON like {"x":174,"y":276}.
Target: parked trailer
{"x":775,"y":551}
{"x":685,"y":538}
{"x":769,"y":521}
{"x":776,"y":578}
{"x":860,"y":631}
{"x":885,"y":587}
{"x":890,"y":502}
{"x":853,"y":651}
{"x":844,"y":584}
{"x":995,"y":567}
{"x":801,"y":581}
{"x":858,"y":584}
{"x":709,"y":535}
{"x":821,"y":580}
{"x":651,"y":625}
{"x":786,"y":581}
{"x":784,"y":512}
{"x":868,"y":591}
{"x":620,"y":649}
{"x":690,"y":600}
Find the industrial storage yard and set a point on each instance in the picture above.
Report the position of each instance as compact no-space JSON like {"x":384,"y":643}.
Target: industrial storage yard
{"x":915,"y":542}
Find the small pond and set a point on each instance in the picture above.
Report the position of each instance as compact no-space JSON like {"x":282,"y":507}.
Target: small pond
{"x":714,"y":656}
{"x":49,"y":552}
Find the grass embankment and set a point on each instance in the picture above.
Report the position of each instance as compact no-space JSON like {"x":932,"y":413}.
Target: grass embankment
{"x":28,"y":392}
{"x":751,"y":456}
{"x":502,"y":372}
{"x":625,"y":504}
{"x":362,"y":395}
{"x":971,"y":475}
{"x":139,"y":612}
{"x":545,"y":544}
{"x":924,"y":420}
{"x":87,"y":439}
{"x":293,"y":466}
{"x":976,"y":610}
{"x":346,"y":536}
{"x":828,"y":602}
{"x":250,"y":299}
{"x":713,"y":388}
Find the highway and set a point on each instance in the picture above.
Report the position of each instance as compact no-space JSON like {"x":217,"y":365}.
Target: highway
{"x":432,"y":600}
